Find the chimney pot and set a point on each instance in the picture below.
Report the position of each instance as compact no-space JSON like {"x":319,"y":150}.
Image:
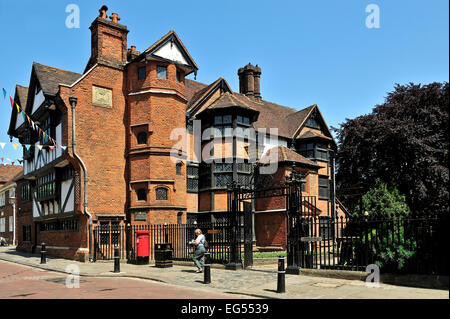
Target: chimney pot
{"x":114,"y":18}
{"x":102,"y":11}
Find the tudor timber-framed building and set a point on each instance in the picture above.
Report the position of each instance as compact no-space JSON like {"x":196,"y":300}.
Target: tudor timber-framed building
{"x":116,"y":119}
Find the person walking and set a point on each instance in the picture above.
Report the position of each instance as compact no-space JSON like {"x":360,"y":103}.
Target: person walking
{"x":199,"y":254}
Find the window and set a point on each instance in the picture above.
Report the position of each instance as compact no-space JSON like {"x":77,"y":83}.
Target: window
{"x":178,"y":168}
{"x":67,"y":173}
{"x":178,"y":76}
{"x":115,"y":233}
{"x":2,"y":225}
{"x":326,"y":227}
{"x":314,"y":150}
{"x":46,"y":186}
{"x":142,"y":194}
{"x":179,"y":218}
{"x":161,"y":193}
{"x":161,"y":72}
{"x":312,"y":123}
{"x":205,"y":175}
{"x":25,"y":192}
{"x":26,"y":232}
{"x":2,"y":199}
{"x":192,"y":178}
{"x":223,"y":123}
{"x":142,"y":138}
{"x":223,"y":174}
{"x":324,"y":187}
{"x":141,"y":73}
{"x":11,"y":224}
{"x":47,"y":129}
{"x":243,"y":120}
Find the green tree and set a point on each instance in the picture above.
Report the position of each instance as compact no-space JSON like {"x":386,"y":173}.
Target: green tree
{"x":383,"y":199}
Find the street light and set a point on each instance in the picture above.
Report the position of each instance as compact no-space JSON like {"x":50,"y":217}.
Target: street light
{"x":12,"y":201}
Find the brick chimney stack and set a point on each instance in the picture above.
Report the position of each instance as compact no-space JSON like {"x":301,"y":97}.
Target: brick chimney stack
{"x":108,"y":40}
{"x":249,"y":81}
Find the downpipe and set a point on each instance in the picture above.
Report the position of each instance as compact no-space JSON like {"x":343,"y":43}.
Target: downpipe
{"x":73,"y":102}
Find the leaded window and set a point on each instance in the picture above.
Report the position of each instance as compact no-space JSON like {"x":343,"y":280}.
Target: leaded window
{"x":162,"y":72}
{"x":223,"y":125}
{"x":46,"y":186}
{"x":192,"y":178}
{"x":324,"y":184}
{"x":161,"y":193}
{"x":25,"y":192}
{"x":314,"y":150}
{"x":223,"y":180}
{"x":312,"y":123}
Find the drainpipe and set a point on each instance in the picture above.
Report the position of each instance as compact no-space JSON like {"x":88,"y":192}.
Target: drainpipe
{"x":73,"y":103}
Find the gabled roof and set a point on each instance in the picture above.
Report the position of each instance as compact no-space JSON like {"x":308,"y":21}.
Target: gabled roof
{"x":50,"y":77}
{"x":20,"y":97}
{"x":284,"y":154}
{"x":171,"y":36}
{"x":313,"y":134}
{"x":194,"y":105}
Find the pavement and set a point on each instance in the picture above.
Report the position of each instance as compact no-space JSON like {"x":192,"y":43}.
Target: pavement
{"x":258,"y":282}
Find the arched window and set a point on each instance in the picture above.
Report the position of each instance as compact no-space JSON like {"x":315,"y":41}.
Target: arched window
{"x":161,"y":193}
{"x":142,"y":138}
{"x":142,"y":194}
{"x":178,"y":168}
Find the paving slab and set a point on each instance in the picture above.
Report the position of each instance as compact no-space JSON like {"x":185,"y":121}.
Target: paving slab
{"x":260,"y":282}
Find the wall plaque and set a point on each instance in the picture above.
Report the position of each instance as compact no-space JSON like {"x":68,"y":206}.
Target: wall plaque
{"x":140,"y":215}
{"x":101,"y":96}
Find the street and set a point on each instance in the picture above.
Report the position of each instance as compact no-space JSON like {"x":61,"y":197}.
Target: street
{"x":17,"y":281}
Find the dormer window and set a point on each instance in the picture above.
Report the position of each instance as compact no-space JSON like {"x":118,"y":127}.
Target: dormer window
{"x":223,"y":123}
{"x":161,"y":72}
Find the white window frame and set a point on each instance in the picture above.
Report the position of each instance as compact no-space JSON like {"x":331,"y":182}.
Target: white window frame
{"x":2,"y":225}
{"x":11,"y":224}
{"x":2,"y":199}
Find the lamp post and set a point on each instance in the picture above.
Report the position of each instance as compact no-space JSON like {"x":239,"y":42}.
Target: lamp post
{"x":12,"y":202}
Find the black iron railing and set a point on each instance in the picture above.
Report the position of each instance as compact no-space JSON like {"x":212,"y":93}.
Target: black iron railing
{"x":414,"y":243}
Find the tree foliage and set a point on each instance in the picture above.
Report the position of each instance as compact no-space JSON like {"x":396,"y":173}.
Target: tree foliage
{"x":405,"y":142}
{"x":384,"y":200}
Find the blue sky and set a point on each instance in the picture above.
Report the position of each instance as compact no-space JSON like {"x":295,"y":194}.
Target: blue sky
{"x":310,"y":52}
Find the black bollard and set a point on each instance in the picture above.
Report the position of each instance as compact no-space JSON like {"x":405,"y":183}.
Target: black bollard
{"x":116,"y":259}
{"x":281,"y":285}
{"x":43,"y":254}
{"x":207,"y":270}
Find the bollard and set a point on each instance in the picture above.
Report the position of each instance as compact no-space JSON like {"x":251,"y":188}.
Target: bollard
{"x":43,"y":254}
{"x":281,"y":285}
{"x":116,"y":259}
{"x":207,"y":270}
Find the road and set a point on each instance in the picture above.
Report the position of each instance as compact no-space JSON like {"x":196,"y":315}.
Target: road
{"x":17,"y":281}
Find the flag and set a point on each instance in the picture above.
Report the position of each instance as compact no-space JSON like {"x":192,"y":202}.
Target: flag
{"x":27,"y":146}
{"x":2,"y":145}
{"x":12,"y":102}
{"x":63,"y":147}
{"x":2,"y":159}
{"x":51,"y":147}
{"x":15,"y":145}
{"x":18,"y":108}
{"x":40,"y":147}
{"x":4,"y":93}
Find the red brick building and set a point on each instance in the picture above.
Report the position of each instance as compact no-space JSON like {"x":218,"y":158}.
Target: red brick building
{"x":8,"y":207}
{"x":117,"y":119}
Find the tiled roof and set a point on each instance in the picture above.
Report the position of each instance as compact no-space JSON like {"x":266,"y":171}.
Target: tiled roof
{"x":271,"y":115}
{"x":228,"y":100}
{"x":22,"y":93}
{"x":7,"y":172}
{"x":50,"y":77}
{"x":285,"y":154}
